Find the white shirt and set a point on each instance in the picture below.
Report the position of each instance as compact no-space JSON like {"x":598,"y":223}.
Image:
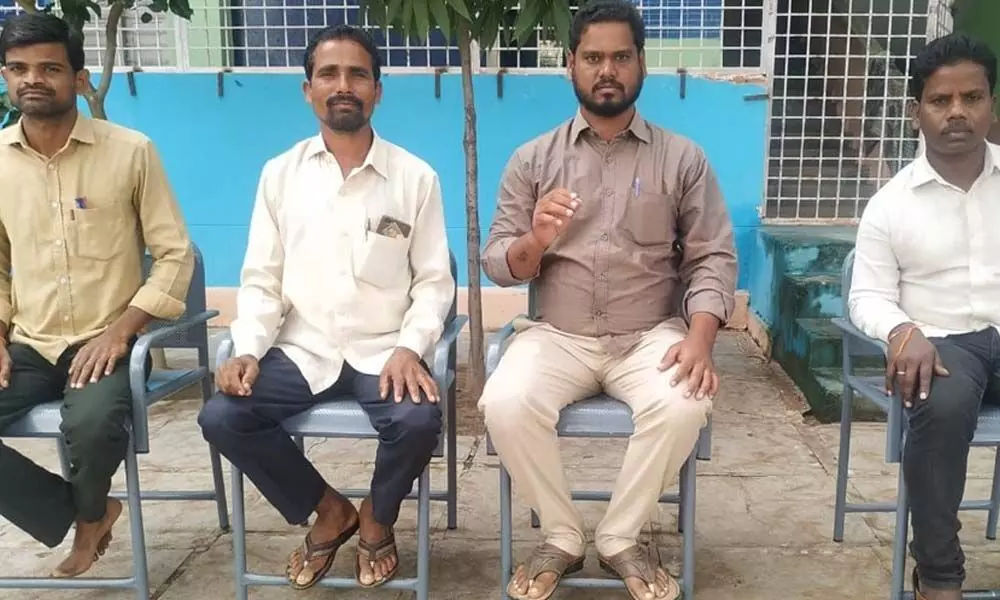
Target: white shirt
{"x":929,"y":253}
{"x":321,"y":285}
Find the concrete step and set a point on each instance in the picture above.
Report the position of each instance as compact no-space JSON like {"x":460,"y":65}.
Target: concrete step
{"x":800,"y":250}
{"x":826,"y":389}
{"x":811,"y":296}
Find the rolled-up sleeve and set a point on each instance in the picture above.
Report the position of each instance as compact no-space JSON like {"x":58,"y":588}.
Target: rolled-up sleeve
{"x":515,"y":206}
{"x":708,"y":265}
{"x":164,"y":293}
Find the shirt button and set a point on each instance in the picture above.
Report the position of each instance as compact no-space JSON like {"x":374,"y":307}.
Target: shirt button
{"x":603,"y":276}
{"x":59,"y":243}
{"x":66,"y":318}
{"x":609,"y":159}
{"x":63,"y":279}
{"x":604,"y":237}
{"x":55,"y":205}
{"x":52,"y":167}
{"x":599,"y":313}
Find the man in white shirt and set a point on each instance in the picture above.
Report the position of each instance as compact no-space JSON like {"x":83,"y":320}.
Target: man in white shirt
{"x":927,"y":282}
{"x":345,"y":286}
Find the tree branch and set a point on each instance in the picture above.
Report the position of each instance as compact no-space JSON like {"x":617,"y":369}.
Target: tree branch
{"x":111,"y":52}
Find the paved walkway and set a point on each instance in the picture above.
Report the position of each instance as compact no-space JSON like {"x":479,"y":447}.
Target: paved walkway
{"x":765,"y":509}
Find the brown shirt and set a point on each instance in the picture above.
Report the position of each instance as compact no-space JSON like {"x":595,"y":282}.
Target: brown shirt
{"x":651,"y":240}
{"x":73,"y":231}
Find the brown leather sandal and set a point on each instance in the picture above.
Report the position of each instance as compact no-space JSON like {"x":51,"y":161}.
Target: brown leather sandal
{"x":326,"y":550}
{"x":374,"y":553}
{"x":642,"y":563}
{"x":546,"y":558}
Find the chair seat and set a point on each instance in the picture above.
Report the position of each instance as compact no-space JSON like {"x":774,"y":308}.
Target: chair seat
{"x":43,"y":420}
{"x":597,"y":416}
{"x":987,"y":429}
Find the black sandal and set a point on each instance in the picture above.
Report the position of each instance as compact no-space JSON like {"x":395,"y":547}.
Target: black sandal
{"x":326,"y":551}
{"x":373,"y":553}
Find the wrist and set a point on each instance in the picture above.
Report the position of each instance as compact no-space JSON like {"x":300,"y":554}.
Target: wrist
{"x":534,"y":243}
{"x":901,"y":330}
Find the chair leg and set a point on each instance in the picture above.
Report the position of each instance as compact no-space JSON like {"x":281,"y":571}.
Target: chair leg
{"x":682,"y":484}
{"x":535,"y":523}
{"x":136,"y":531}
{"x":900,"y":537}
{"x":220,"y":489}
{"x":452,"y":450}
{"x":239,"y":534}
{"x":506,"y":534}
{"x":843,"y":464}
{"x":991,"y":520}
{"x":687,"y":507}
{"x":424,"y":536}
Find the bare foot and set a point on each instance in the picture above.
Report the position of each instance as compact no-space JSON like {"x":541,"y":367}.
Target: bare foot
{"x":640,"y":589}
{"x":375,"y":572}
{"x":533,"y":589}
{"x":335,"y":516}
{"x":89,"y":543}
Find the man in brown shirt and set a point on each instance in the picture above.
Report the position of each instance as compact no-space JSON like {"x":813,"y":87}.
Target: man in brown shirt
{"x":621,"y":228}
{"x":81,"y":200}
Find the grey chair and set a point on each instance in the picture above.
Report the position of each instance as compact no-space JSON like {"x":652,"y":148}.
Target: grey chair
{"x":859,"y":348}
{"x":599,"y":416}
{"x":346,"y":419}
{"x":188,"y":332}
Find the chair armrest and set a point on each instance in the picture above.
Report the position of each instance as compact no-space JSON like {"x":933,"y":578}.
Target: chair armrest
{"x":137,"y":373}
{"x":442,"y":350}
{"x":495,"y":347}
{"x":849,"y":329}
{"x":225,"y":350}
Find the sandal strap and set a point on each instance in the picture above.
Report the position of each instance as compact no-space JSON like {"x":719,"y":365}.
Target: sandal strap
{"x":547,"y":558}
{"x":380,"y":549}
{"x":634,"y":561}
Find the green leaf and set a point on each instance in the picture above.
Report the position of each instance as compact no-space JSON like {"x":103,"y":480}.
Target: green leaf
{"x":440,"y":11}
{"x":394,"y":12}
{"x":461,"y":8}
{"x":488,"y":24}
{"x":560,"y":18}
{"x":377,"y":12}
{"x":527,"y":20}
{"x":422,"y":18}
{"x":181,"y":8}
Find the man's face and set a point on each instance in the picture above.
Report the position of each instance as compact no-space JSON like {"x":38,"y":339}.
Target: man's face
{"x":607,"y":69}
{"x":955,"y":111}
{"x":343,"y":91}
{"x":41,"y":82}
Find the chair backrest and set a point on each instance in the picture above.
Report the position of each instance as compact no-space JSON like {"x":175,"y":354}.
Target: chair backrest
{"x":192,"y":337}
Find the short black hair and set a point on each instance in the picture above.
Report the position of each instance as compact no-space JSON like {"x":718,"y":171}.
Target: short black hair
{"x":608,"y":11}
{"x":949,"y":50}
{"x":29,"y":29}
{"x":343,"y":32}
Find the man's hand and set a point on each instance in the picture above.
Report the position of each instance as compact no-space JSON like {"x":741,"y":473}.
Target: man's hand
{"x":405,"y":375}
{"x":237,"y":375}
{"x":97,"y":359}
{"x":552,"y":213}
{"x":914,"y":360}
{"x":5,"y":366}
{"x":693,"y":355}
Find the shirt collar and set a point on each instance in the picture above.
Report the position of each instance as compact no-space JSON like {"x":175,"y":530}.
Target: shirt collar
{"x":83,"y":131}
{"x":923,"y":173}
{"x":638,"y":127}
{"x":377,"y":157}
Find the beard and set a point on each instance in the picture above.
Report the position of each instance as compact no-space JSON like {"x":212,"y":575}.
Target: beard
{"x":44,"y":105}
{"x":604,"y":107}
{"x":345,"y":114}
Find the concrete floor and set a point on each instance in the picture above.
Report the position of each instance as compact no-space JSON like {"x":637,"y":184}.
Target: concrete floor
{"x":765,"y":509}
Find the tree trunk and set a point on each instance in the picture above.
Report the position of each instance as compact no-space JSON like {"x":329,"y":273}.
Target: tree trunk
{"x":477,"y":363}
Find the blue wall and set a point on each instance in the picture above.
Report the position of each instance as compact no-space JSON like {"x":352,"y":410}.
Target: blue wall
{"x":214,"y":147}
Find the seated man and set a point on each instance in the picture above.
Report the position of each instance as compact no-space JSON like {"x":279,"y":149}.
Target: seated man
{"x":346,"y":285}
{"x":926,"y":282}
{"x":622,"y":230}
{"x":82,"y":200}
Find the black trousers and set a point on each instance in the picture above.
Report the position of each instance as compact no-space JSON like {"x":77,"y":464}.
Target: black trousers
{"x":44,"y":504}
{"x":247,"y":431}
{"x":936,"y":453}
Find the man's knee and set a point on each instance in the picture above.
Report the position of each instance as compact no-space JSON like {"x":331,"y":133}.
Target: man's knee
{"x":505,"y":404}
{"x":219,"y":419}
{"x":418,"y":421}
{"x":94,"y":425}
{"x":675,"y":412}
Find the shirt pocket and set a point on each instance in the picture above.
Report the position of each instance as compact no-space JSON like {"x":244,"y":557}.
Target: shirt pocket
{"x":649,"y":219}
{"x":100,"y":232}
{"x":383,"y":262}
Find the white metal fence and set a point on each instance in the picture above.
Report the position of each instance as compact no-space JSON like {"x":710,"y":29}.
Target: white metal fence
{"x":839,"y":125}
{"x":697,"y":35}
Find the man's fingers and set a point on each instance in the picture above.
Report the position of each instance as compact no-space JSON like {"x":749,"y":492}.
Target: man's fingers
{"x":429,"y":387}
{"x":670,"y":357}
{"x":890,"y":376}
{"x":715,"y":385}
{"x":939,"y":369}
{"x":707,"y":382}
{"x":383,"y":385}
{"x":412,"y":388}
{"x":250,"y":372}
{"x":925,"y":375}
{"x":398,"y":385}
{"x":694,"y":379}
{"x":5,"y":367}
{"x":683,"y":372}
{"x":86,"y":369}
{"x":909,"y":383}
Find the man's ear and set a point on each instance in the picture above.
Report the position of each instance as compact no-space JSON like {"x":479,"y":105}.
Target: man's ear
{"x":83,"y":83}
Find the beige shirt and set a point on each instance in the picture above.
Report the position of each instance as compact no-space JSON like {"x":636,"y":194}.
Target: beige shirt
{"x":652,"y":239}
{"x":73,"y":232}
{"x":322,"y":283}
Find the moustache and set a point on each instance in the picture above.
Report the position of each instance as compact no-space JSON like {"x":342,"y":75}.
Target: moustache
{"x":34,"y":90}
{"x":334,"y":100}
{"x":608,"y":84}
{"x":957,"y":128}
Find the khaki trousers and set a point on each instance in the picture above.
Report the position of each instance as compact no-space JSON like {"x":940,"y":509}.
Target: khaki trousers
{"x":543,"y":371}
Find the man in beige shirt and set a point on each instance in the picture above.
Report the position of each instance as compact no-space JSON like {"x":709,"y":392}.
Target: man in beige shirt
{"x":621,"y":228}
{"x":81,"y":202}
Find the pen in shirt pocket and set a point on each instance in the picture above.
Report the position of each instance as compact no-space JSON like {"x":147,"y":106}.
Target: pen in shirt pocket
{"x":81,"y":202}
